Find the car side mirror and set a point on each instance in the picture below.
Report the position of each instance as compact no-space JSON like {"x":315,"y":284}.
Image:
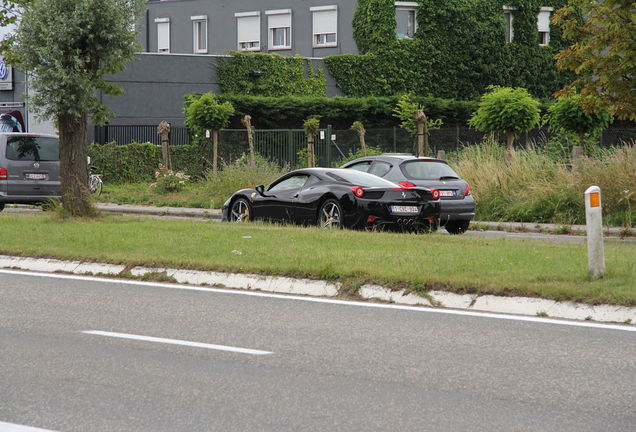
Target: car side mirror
{"x":260,"y":189}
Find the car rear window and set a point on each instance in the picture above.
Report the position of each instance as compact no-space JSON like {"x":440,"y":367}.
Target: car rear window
{"x":360,"y":179}
{"x":426,"y":170}
{"x":33,"y":148}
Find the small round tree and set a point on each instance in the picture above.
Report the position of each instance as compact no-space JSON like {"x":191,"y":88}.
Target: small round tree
{"x":206,"y":113}
{"x":567,"y":115}
{"x":506,"y":110}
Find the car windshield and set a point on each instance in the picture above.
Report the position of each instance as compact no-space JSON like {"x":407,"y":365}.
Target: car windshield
{"x":360,"y":179}
{"x":33,"y":148}
{"x":427,"y":170}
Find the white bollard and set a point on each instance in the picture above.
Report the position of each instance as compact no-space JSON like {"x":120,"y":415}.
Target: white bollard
{"x":594,"y":222}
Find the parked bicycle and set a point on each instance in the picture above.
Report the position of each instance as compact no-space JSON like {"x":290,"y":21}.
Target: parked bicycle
{"x":95,"y":181}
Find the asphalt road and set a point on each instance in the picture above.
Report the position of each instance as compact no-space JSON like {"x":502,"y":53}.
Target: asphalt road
{"x":331,"y":367}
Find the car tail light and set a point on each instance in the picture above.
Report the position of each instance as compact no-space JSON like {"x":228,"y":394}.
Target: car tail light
{"x":358,"y":191}
{"x":435,"y":193}
{"x":371,"y":219}
{"x":3,"y":174}
{"x":407,"y":184}
{"x":467,"y":191}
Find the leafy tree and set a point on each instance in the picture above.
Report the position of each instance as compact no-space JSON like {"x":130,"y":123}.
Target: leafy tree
{"x":203,"y":113}
{"x":506,"y":110}
{"x":602,"y":54}
{"x":415,"y":121}
{"x":67,"y":46}
{"x":567,"y":115}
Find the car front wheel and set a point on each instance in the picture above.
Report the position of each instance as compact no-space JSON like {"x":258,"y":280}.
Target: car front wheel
{"x":457,"y":227}
{"x":241,"y":211}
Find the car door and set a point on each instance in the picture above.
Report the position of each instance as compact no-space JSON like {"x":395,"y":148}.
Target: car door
{"x":283,"y":196}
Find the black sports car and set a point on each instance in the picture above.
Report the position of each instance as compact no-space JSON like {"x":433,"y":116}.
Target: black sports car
{"x":332,"y":197}
{"x":457,"y":206}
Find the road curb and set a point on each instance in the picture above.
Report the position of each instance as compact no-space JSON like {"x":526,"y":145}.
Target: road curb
{"x":438,"y":299}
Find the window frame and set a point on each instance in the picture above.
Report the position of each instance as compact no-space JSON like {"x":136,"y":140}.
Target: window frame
{"x":239,"y":40}
{"x":509,"y":30}
{"x":163,"y":23}
{"x":270,"y":30}
{"x":408,"y":6}
{"x":196,"y":41}
{"x":316,"y":11}
{"x":544,"y":31}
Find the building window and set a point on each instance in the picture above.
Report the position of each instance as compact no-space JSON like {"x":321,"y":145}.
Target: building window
{"x":325,"y":26}
{"x":509,"y":23}
{"x":200,"y":34}
{"x":406,"y":19}
{"x":248,"y":26}
{"x":279,"y":29}
{"x":543,"y":25}
{"x":163,"y":34}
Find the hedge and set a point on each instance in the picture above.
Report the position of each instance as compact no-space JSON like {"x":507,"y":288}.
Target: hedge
{"x":340,"y":112}
{"x":137,"y":162}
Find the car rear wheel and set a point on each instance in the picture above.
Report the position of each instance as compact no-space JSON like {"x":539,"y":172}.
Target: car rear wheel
{"x":330,"y":214}
{"x":241,"y":211}
{"x":457,"y":227}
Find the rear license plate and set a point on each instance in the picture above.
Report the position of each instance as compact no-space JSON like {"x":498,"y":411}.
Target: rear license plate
{"x":447,"y":193}
{"x":35,"y":176}
{"x":404,"y":209}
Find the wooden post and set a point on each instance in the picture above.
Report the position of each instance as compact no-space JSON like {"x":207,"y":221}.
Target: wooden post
{"x":247,"y":122}
{"x":215,"y":151}
{"x":310,"y":151}
{"x":577,"y":154}
{"x":164,"y":133}
{"x":441,"y":154}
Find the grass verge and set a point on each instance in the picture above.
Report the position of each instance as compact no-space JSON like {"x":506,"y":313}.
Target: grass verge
{"x":419,"y":262}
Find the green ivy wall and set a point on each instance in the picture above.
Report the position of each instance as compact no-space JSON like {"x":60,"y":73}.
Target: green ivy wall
{"x":458,"y":50}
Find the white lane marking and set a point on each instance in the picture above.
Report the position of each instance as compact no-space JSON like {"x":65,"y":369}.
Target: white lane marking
{"x":177,"y":342}
{"x":11,"y":427}
{"x":539,"y":320}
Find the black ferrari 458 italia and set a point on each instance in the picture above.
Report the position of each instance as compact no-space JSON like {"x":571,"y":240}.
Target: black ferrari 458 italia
{"x":331,"y":197}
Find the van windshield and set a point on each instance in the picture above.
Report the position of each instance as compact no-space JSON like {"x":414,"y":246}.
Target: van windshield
{"x":33,"y":148}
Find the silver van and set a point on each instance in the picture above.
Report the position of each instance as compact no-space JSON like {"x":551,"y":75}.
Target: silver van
{"x":29,"y":168}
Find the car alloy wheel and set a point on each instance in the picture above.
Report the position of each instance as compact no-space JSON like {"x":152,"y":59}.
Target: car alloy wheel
{"x":241,"y":211}
{"x":330,"y":214}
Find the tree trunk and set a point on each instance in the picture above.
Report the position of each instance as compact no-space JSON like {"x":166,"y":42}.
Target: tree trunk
{"x":582,"y":139}
{"x":310,"y":151}
{"x":422,"y":138}
{"x":247,"y":122}
{"x":510,"y":140}
{"x":363,"y":143}
{"x":164,"y":133}
{"x":74,"y":166}
{"x":215,"y":151}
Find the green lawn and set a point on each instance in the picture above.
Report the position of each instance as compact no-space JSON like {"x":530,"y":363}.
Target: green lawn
{"x":421,"y":262}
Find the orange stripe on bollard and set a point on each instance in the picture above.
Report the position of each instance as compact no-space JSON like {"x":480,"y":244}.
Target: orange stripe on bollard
{"x":595,"y":199}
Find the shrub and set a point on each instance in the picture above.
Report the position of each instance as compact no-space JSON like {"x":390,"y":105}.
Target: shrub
{"x":169,"y":181}
{"x":240,"y":175}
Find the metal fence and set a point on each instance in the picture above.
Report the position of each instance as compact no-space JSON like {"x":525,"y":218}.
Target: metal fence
{"x":284,"y":146}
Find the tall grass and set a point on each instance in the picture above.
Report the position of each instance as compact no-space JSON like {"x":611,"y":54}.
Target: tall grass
{"x":537,"y":188}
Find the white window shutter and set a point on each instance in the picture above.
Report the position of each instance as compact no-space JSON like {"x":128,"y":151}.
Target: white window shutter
{"x":543,"y":21}
{"x":279,"y":20}
{"x":325,"y":22}
{"x":249,"y":29}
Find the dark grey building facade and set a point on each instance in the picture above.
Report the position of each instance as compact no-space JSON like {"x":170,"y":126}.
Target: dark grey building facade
{"x":310,"y":28}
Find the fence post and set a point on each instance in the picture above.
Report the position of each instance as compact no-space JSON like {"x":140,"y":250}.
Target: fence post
{"x":329,"y":143}
{"x":394,"y":139}
{"x":292,"y":148}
